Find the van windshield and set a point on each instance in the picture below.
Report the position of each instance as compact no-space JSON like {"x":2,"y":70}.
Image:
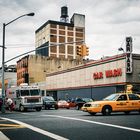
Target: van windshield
{"x":34,"y":92}
{"x":25,"y":93}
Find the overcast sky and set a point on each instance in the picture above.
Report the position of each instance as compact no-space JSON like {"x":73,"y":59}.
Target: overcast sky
{"x":108,"y":23}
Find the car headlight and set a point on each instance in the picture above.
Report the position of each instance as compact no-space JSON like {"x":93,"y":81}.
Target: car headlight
{"x":95,"y":105}
{"x":25,"y":100}
{"x":47,"y":103}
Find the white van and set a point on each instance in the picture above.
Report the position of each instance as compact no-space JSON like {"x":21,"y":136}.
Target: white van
{"x":25,"y":97}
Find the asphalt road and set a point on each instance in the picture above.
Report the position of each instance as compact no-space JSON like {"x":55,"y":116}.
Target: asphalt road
{"x":64,"y":124}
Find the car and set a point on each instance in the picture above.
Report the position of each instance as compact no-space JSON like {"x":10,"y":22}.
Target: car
{"x":63,"y":104}
{"x":49,"y":102}
{"x":117,"y":102}
{"x":79,"y":102}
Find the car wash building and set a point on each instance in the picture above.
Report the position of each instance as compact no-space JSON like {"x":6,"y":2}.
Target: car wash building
{"x":97,"y":79}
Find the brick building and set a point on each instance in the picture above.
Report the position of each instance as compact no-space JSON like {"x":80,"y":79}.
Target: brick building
{"x":55,"y":38}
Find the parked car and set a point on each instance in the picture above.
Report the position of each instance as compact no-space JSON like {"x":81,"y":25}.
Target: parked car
{"x":117,"y":102}
{"x":63,"y":104}
{"x":79,"y":102}
{"x":49,"y":102}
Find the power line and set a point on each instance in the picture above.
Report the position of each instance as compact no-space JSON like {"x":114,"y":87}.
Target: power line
{"x":59,"y":44}
{"x":11,"y":46}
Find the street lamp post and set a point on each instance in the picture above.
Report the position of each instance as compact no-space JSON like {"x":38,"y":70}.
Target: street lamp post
{"x":3,"y":59}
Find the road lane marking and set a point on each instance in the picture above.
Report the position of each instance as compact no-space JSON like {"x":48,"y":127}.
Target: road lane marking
{"x":94,"y":122}
{"x":3,"y":137}
{"x":41,"y":131}
{"x":10,"y":126}
{"x":26,"y":114}
{"x":2,"y":120}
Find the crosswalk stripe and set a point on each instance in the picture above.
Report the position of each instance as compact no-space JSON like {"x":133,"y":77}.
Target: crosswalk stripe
{"x":3,"y":137}
{"x":10,"y":126}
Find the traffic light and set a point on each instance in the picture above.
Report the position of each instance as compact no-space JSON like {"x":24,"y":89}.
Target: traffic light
{"x":79,"y":50}
{"x":82,"y":50}
{"x":85,"y":50}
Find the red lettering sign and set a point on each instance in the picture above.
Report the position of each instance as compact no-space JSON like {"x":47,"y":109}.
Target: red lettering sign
{"x":113,"y":73}
{"x":108,"y":73}
{"x":98,"y":75}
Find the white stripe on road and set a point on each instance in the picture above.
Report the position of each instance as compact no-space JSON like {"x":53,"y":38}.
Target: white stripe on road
{"x":41,"y":131}
{"x":100,"y":123}
{"x":3,"y":137}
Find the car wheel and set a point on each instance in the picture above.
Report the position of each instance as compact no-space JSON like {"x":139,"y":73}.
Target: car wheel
{"x":92,"y":113}
{"x":106,"y":110}
{"x":45,"y":107}
{"x":38,"y":109}
{"x":127,"y":112}
{"x":56,"y":107}
{"x":21,"y":108}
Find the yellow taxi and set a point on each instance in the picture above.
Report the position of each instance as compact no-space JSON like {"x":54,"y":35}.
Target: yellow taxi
{"x":117,"y":102}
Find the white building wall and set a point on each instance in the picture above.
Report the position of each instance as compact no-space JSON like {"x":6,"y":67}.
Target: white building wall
{"x":84,"y":76}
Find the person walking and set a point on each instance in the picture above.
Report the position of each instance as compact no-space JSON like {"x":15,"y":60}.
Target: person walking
{"x":10,"y":104}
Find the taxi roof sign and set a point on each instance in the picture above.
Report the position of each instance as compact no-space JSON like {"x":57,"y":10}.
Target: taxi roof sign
{"x":129,"y":88}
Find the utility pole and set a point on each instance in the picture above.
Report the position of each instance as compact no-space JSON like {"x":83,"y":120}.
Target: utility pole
{"x":3,"y":59}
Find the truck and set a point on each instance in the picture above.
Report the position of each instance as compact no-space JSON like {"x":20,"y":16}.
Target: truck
{"x":25,"y":97}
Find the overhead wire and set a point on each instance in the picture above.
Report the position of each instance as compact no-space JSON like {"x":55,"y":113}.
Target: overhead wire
{"x":12,"y":46}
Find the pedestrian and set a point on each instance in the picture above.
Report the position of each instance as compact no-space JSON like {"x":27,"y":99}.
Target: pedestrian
{"x":10,"y":104}
{"x":0,"y":103}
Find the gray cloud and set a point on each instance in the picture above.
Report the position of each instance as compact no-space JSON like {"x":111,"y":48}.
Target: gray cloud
{"x":108,"y":22}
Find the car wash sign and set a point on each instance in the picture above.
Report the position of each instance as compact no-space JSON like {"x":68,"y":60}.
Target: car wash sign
{"x":129,"y":55}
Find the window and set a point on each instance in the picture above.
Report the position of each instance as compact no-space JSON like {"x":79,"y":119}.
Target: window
{"x":70,"y":28}
{"x":80,"y":29}
{"x":61,"y":32}
{"x":61,"y":39}
{"x":53,"y":31}
{"x":53,"y":25}
{"x":70,"y":39}
{"x":61,"y":48}
{"x":24,"y":92}
{"x":133,"y":97}
{"x":70,"y":33}
{"x":53,"y":38}
{"x":61,"y":27}
{"x":70,"y":49}
{"x":34,"y":92}
{"x":122,"y":98}
{"x":53,"y":49}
